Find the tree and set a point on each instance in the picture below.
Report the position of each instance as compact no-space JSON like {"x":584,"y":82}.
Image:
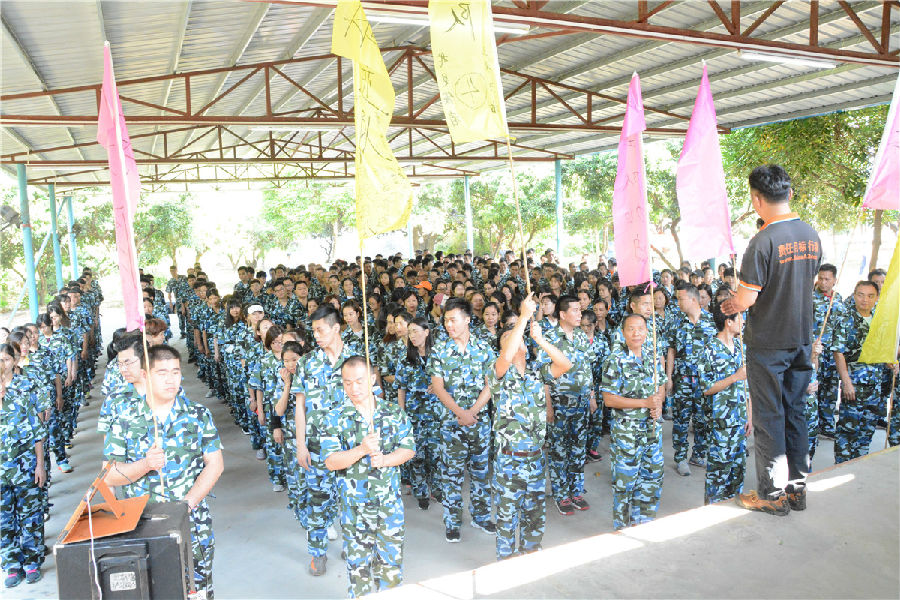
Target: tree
{"x":321,"y":211}
{"x":161,"y":228}
{"x":589,"y":181}
{"x":829,"y":159}
{"x":494,"y":219}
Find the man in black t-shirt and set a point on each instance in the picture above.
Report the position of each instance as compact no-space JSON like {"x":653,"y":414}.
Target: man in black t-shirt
{"x":776,"y":278}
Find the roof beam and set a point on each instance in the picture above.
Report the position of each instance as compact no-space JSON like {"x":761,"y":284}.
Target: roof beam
{"x":26,"y":58}
{"x":174,"y":59}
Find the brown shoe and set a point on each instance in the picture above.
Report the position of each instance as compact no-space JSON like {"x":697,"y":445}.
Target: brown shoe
{"x":797,"y":498}
{"x":752,"y":501}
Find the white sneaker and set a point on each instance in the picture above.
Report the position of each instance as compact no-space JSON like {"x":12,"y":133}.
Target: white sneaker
{"x":277,"y":488}
{"x":332,"y":532}
{"x":210,"y":394}
{"x":682,"y":468}
{"x":261,"y":454}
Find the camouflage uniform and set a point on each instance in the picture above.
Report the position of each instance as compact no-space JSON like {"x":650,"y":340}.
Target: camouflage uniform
{"x":570,"y":395}
{"x":283,"y":315}
{"x":372,"y":516}
{"x":294,"y":478}
{"x":22,"y":512}
{"x":857,"y":419}
{"x":118,"y":399}
{"x":812,"y":416}
{"x":520,"y":482}
{"x":688,"y":340}
{"x":599,"y":350}
{"x":635,"y":444}
{"x":254,"y":353}
{"x":423,"y":410}
{"x":235,"y":379}
{"x":61,"y":345}
{"x":178,"y":286}
{"x":827,"y":372}
{"x":726,"y":419}
{"x":271,"y":386}
{"x":463,"y":448}
{"x":389,"y":358}
{"x":317,"y":379}
{"x":185,"y":435}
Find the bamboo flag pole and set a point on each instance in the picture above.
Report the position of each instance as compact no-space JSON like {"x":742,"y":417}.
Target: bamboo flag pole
{"x":365,"y":320}
{"x":837,"y":280}
{"x":890,"y":405}
{"x":157,"y":441}
{"x":515,"y":188}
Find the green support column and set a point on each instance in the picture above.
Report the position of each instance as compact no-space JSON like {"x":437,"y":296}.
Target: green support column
{"x":57,"y":257}
{"x":27,"y":243}
{"x":559,"y":209}
{"x":73,"y":248}
{"x":470,"y":244}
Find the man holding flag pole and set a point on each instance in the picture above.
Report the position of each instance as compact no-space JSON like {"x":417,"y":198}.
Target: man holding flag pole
{"x":167,"y":447}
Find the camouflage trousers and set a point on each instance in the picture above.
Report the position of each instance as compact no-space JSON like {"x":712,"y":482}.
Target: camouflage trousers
{"x":636,"y":459}
{"x":812,"y":423}
{"x":235,"y":389}
{"x":423,"y":469}
{"x":373,"y":542}
{"x":827,"y":400}
{"x":567,"y":441}
{"x":520,"y":486}
{"x":295,"y":481}
{"x":856,"y":423}
{"x":893,"y":434}
{"x":57,"y":437}
{"x":726,"y":462}
{"x":203,"y":546}
{"x":595,"y":422}
{"x":274,"y":450}
{"x":21,"y":525}
{"x":465,"y":449}
{"x":687,"y":405}
{"x":322,"y":506}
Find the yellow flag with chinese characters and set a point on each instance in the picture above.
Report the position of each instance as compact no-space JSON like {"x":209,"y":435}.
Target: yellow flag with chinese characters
{"x":468,"y":74}
{"x":383,"y":194}
{"x":880,"y":345}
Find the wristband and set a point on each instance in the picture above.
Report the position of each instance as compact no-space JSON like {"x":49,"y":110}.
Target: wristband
{"x":274,"y":423}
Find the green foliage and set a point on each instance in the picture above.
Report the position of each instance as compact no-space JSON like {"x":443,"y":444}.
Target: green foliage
{"x":161,"y":228}
{"x":828,"y":158}
{"x":318,"y":210}
{"x":494,"y":219}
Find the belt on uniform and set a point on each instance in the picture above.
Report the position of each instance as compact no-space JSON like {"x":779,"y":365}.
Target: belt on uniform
{"x":520,"y":454}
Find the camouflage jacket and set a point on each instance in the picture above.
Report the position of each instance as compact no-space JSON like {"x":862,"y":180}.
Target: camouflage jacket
{"x":520,"y":408}
{"x":345,"y":428}
{"x":20,"y":429}
{"x":463,"y":371}
{"x":186,"y":433}
{"x":626,"y":375}
{"x":688,"y":340}
{"x":579,"y":380}
{"x":850,"y":332}
{"x":729,"y":407}
{"x":317,"y":379}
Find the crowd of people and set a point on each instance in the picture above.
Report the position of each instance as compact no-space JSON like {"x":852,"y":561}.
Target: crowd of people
{"x":508,"y":370}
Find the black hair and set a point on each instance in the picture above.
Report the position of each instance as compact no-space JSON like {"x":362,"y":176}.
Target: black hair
{"x":875,"y":272}
{"x":588,"y":317}
{"x":328,"y":313}
{"x":632,"y":316}
{"x":691,"y":291}
{"x":720,"y":318}
{"x":273,"y":332}
{"x":292,"y":346}
{"x":162,"y":352}
{"x":130,"y":339}
{"x":232,"y":303}
{"x":354,"y":361}
{"x":772,"y":182}
{"x":458,"y":304}
{"x":412,"y":353}
{"x":865,"y":282}
{"x":563,"y":304}
{"x":831,"y":269}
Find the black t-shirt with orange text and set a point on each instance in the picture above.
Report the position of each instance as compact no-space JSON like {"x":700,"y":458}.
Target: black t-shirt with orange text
{"x":780,"y":264}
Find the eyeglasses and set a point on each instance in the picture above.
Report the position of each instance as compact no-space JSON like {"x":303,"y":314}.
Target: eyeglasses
{"x":124,"y":364}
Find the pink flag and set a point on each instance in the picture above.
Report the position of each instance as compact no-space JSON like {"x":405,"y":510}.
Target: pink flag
{"x":700,"y":183}
{"x":883,"y":191}
{"x":126,"y":188}
{"x":630,"y":225}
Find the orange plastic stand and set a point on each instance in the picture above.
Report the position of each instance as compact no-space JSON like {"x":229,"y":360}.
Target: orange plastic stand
{"x":107,"y":518}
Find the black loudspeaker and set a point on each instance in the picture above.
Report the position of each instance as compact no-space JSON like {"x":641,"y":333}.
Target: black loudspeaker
{"x":152,"y":562}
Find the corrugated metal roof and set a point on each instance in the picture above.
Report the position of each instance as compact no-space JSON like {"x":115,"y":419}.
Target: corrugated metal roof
{"x":155,"y":39}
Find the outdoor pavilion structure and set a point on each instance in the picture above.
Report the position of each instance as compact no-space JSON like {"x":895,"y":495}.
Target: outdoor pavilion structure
{"x":248,"y":91}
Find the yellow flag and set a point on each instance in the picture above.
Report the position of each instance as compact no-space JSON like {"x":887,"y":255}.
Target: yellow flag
{"x":383,"y":194}
{"x":880,"y":345}
{"x":468,"y":74}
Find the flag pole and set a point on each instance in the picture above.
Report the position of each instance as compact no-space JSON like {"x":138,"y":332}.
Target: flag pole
{"x":365,"y":319}
{"x":134,"y":266}
{"x":890,"y":405}
{"x":859,"y":213}
{"x":515,"y":188}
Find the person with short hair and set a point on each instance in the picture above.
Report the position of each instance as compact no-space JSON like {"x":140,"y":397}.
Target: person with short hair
{"x":780,"y":262}
{"x":364,"y":441}
{"x":633,"y":386}
{"x":722,"y":380}
{"x":458,"y":368}
{"x":181,"y":465}
{"x":861,"y":402}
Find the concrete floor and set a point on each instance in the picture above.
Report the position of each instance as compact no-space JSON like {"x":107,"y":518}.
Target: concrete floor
{"x":846,"y":545}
